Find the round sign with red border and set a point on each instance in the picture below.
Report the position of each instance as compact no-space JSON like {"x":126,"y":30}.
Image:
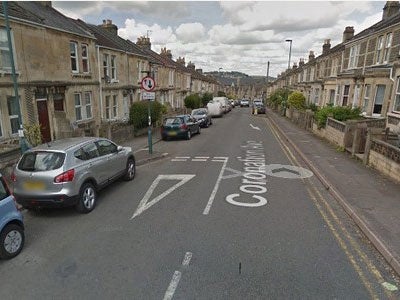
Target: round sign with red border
{"x":148,"y":84}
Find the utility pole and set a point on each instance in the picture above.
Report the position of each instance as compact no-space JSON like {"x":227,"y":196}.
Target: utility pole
{"x":267,"y":80}
{"x":22,"y":141}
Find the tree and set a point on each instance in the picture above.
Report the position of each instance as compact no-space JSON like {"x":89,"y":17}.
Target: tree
{"x":207,"y":97}
{"x":193,"y":101}
{"x":221,"y":94}
{"x":297,"y":100}
{"x":138,"y":113}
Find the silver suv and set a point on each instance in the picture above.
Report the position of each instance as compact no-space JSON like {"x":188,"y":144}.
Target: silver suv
{"x":70,"y":172}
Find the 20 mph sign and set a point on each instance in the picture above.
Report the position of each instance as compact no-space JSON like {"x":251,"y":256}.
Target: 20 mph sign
{"x":148,"y":84}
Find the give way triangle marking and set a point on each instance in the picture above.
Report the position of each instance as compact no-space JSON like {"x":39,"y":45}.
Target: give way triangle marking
{"x":146,"y":204}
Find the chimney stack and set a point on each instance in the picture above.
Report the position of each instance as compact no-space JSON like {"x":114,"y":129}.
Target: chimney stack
{"x":294,"y":65}
{"x":391,"y":8}
{"x":181,"y":60}
{"x":191,"y":66}
{"x":348,"y":33}
{"x":109,"y":26}
{"x":144,"y":42}
{"x":166,"y":53}
{"x":311,"y":56}
{"x":301,"y":62}
{"x":199,"y":71}
{"x":326,"y":46}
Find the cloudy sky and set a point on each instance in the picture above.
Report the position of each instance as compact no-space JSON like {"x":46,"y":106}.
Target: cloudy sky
{"x":232,"y":35}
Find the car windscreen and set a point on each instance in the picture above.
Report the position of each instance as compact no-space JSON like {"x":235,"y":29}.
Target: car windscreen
{"x":172,"y":121}
{"x":41,"y":161}
{"x":198,"y":112}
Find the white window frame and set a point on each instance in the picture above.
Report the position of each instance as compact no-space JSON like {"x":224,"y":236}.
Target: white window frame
{"x":379,"y":49}
{"x":113,"y":66}
{"x":106,"y":65}
{"x":386,"y":50}
{"x":85,"y":58}
{"x":353,"y":57}
{"x":14,"y":116}
{"x":396,"y":102}
{"x":83,"y":107}
{"x":312,"y":74}
{"x":347,"y":96}
{"x":108,"y":107}
{"x":4,"y":51}
{"x":74,"y":57}
{"x":316,"y":96}
{"x":114,"y":110}
{"x":337,"y":97}
{"x":335,"y":63}
{"x":383,"y":99}
{"x":367,"y":97}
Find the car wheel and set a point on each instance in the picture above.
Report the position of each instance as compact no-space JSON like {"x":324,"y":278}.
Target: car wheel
{"x":130,"y":170}
{"x":12,"y":240}
{"x":188,"y":135}
{"x":87,"y":198}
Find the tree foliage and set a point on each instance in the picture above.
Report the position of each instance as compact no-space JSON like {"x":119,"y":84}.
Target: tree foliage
{"x":221,"y":94}
{"x":297,"y":100}
{"x":207,"y":97}
{"x":138,"y":114}
{"x":278,"y":96}
{"x":193,"y":101}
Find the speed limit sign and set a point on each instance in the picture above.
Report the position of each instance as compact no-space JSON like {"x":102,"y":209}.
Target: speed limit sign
{"x":148,"y":84}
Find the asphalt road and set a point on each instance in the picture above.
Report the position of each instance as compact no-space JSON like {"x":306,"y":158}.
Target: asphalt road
{"x":199,"y":225}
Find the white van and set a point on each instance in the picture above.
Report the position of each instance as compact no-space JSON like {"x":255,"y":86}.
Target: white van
{"x":215,"y":109}
{"x":223,"y":101}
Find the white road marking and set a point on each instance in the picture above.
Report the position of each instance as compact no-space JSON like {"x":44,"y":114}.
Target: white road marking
{"x":169,"y":294}
{"x":187,"y":258}
{"x":254,"y":127}
{"x":144,"y":204}
{"x":202,"y":157}
{"x":261,"y":201}
{"x":220,"y":157}
{"x":199,"y":159}
{"x":172,"y":286}
{"x":182,"y":157}
{"x":178,"y":159}
{"x":214,"y":192}
{"x":235,"y":173}
{"x":218,"y":160}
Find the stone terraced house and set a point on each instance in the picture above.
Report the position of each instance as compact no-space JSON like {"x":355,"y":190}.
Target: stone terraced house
{"x":75,"y":77}
{"x":362,"y":71}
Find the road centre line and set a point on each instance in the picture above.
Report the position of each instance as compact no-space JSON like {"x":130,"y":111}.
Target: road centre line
{"x":218,"y":160}
{"x":178,"y":159}
{"x":182,"y":157}
{"x":177,"y":277}
{"x":199,"y":159}
{"x":214,"y":192}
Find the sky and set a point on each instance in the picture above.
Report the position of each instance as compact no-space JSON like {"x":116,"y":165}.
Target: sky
{"x":232,"y":35}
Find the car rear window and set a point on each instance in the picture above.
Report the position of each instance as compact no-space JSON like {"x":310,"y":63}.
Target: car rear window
{"x":199,"y":112}
{"x":170,"y":121}
{"x":41,"y":161}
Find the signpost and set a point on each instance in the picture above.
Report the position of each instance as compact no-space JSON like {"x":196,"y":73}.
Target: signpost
{"x":148,"y":84}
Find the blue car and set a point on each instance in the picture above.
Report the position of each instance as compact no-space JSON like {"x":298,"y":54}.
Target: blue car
{"x":12,"y":236}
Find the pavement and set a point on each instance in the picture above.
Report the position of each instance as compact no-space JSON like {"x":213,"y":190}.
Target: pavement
{"x":371,"y":199}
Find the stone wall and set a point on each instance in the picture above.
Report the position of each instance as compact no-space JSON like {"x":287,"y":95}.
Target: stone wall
{"x":335,"y":132}
{"x":385,"y":164}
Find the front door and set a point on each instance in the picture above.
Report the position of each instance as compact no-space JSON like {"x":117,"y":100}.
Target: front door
{"x":44,"y":120}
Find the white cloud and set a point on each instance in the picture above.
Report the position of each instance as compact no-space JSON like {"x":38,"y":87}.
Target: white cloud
{"x":189,"y":33}
{"x":159,"y":35}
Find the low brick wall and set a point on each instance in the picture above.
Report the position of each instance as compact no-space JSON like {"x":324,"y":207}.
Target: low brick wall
{"x":385,"y":158}
{"x":318,"y":132}
{"x":335,"y":132}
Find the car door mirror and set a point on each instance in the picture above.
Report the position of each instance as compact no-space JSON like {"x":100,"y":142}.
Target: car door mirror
{"x":120,"y":148}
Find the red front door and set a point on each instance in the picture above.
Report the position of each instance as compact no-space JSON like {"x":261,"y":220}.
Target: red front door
{"x":44,"y":121}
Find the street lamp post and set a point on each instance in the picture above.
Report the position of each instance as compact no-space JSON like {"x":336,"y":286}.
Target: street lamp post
{"x":287,"y":76}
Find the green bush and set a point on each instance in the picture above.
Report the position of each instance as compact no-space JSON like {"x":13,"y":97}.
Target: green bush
{"x":221,"y":94}
{"x":207,"y":97}
{"x":278,"y":97}
{"x":193,"y":101}
{"x":297,"y":100}
{"x":138,"y":114}
{"x":340,"y":113}
{"x":32,"y":134}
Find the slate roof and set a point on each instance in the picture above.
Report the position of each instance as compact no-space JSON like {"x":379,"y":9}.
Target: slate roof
{"x":45,"y":16}
{"x":108,"y":39}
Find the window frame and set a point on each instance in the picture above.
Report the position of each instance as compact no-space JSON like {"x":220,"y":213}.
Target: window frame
{"x":353,"y":56}
{"x":379,"y":49}
{"x":113,"y":67}
{"x":83,"y":105}
{"x":383,"y":99}
{"x":106,"y":66}
{"x":5,"y":49}
{"x":396,"y":101}
{"x":367,"y":97}
{"x":85,"y":58}
{"x":13,"y":117}
{"x":76,"y":57}
{"x":346,"y":96}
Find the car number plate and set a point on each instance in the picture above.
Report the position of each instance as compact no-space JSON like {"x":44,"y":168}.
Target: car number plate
{"x":33,"y":185}
{"x":173,"y":133}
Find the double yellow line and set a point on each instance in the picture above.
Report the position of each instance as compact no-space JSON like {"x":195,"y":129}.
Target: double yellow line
{"x":335,"y":225}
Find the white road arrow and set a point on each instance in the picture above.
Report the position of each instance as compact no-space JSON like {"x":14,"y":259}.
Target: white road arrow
{"x":254,"y":127}
{"x":146,"y":204}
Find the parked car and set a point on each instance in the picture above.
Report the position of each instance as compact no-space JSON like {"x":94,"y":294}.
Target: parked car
{"x":259,"y":106}
{"x":70,"y":172}
{"x":215,"y":109}
{"x":202,"y":116}
{"x":182,"y":126}
{"x":244,"y":102}
{"x":12,"y":235}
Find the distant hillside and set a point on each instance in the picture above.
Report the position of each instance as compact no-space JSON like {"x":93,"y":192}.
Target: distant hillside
{"x":238,"y":78}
